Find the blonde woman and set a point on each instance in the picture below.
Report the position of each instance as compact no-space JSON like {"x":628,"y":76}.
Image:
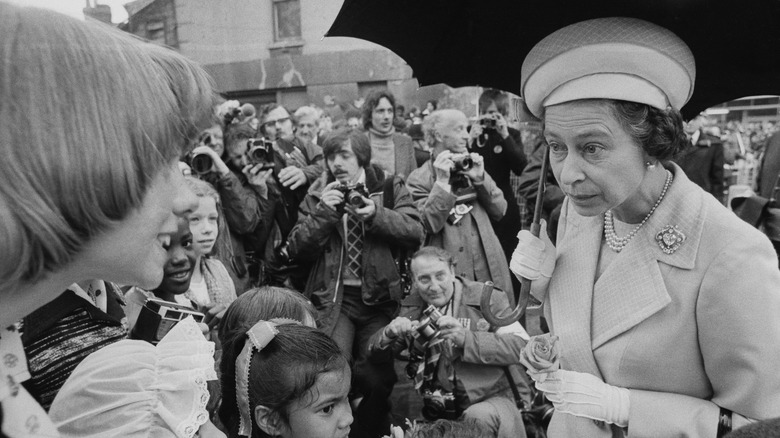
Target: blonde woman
{"x":93,"y":123}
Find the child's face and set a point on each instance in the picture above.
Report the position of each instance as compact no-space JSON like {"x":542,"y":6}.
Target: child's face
{"x":181,"y":261}
{"x":324,"y":412}
{"x":203,"y":225}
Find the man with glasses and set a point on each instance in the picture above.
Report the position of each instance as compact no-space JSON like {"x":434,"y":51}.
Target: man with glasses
{"x":297,"y":164}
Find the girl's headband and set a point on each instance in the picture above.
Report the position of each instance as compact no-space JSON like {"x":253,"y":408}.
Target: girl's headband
{"x":259,"y":336}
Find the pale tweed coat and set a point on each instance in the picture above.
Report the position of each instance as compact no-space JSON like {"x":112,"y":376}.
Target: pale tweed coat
{"x":686,"y":332}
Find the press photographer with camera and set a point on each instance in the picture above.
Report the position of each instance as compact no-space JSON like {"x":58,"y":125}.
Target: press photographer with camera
{"x":458,"y":200}
{"x":462,"y":367}
{"x":502,"y":149}
{"x":350,"y":222}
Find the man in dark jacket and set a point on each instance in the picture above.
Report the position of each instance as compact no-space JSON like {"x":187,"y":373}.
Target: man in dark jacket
{"x":702,"y":161}
{"x":346,"y":225}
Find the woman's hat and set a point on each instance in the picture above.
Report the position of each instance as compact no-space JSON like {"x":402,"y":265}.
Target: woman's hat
{"x":609,"y":58}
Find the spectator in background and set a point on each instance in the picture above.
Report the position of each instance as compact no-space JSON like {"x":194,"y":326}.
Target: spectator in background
{"x":332,"y":108}
{"x":211,"y":283}
{"x":296,"y":165}
{"x":100,"y":174}
{"x":353,"y":120}
{"x":768,"y":184}
{"x":502,"y":150}
{"x":399,"y":121}
{"x":246,"y":205}
{"x":306,"y":128}
{"x":325,"y":125}
{"x":457,"y":203}
{"x":391,"y":151}
{"x":430,"y":107}
{"x":702,"y":160}
{"x":355,"y":284}
{"x":422,"y":152}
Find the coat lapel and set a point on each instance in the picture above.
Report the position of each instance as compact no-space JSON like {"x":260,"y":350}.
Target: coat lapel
{"x":632,"y":288}
{"x":571,"y":289}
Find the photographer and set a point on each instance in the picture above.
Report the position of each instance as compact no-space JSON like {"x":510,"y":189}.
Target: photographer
{"x":346,"y":223}
{"x":296,"y":164}
{"x":502,"y":149}
{"x":457,"y":199}
{"x":461,"y":365}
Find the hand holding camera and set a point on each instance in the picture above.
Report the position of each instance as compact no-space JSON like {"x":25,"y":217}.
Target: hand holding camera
{"x":332,"y":196}
{"x":203,"y":160}
{"x":494,"y":122}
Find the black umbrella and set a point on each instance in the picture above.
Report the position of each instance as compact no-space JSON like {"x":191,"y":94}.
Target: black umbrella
{"x":484,"y":42}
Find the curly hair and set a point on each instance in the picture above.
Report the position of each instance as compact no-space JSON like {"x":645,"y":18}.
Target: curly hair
{"x":659,"y":132}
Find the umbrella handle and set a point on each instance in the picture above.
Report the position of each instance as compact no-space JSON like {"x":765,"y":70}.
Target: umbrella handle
{"x":524,"y":294}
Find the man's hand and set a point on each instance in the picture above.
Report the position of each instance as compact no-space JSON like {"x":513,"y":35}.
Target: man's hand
{"x":219,"y":165}
{"x":453,"y":330}
{"x":475,"y":131}
{"x":292,"y":177}
{"x":259,"y":178}
{"x":332,"y":197}
{"x":443,"y":165}
{"x":401,"y":326}
{"x":477,"y":171}
{"x":501,"y":125}
{"x":363,"y":213}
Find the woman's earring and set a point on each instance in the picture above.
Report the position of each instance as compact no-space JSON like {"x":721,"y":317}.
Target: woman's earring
{"x":649,"y":165}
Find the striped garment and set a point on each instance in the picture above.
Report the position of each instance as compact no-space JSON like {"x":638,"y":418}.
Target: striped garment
{"x":59,"y":335}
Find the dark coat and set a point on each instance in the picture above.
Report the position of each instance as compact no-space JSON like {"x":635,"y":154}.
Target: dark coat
{"x":319,"y":235}
{"x":703,"y":164}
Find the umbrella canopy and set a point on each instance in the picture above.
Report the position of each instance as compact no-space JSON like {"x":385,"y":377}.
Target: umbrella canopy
{"x":484,"y":42}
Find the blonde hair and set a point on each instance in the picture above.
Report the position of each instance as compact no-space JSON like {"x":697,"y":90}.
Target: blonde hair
{"x":90,"y":117}
{"x":203,"y":189}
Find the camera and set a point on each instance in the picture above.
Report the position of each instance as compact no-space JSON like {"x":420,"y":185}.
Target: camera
{"x":488,"y":122}
{"x":463,"y":162}
{"x":201,"y":163}
{"x":427,"y":328}
{"x":353,"y":194}
{"x":260,"y":151}
{"x":157,"y":318}
{"x":439,"y":404}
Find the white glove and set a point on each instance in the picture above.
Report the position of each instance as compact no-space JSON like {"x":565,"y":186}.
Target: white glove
{"x":585,"y":395}
{"x":534,"y":257}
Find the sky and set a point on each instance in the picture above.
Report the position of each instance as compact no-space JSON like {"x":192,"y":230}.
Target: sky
{"x":74,"y":7}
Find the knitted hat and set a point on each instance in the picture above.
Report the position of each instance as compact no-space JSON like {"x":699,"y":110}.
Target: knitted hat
{"x":609,"y":58}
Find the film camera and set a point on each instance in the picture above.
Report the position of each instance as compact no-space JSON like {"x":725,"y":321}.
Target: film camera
{"x":463,"y":162}
{"x":489,"y":121}
{"x":158,"y":317}
{"x":201,"y":163}
{"x":353,"y":194}
{"x":260,"y":151}
{"x":427,"y":328}
{"x":439,"y":404}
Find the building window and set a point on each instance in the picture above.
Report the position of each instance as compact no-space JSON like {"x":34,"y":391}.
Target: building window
{"x":155,"y":31}
{"x":287,"y":19}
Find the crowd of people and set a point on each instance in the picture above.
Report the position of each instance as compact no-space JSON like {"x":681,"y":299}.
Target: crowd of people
{"x":180,"y":265}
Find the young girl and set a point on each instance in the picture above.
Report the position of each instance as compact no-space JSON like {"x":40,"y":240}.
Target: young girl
{"x":258,"y":304}
{"x":211,"y":284}
{"x":291,"y":381}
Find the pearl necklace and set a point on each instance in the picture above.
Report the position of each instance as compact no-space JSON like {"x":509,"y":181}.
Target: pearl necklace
{"x":616,"y":243}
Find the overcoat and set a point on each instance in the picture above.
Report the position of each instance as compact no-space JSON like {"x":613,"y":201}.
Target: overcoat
{"x":686,"y":332}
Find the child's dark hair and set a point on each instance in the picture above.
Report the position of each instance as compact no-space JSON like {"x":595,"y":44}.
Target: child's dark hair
{"x":282,"y":372}
{"x":258,"y":304}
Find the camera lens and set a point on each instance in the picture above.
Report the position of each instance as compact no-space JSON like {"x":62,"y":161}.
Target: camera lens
{"x":201,"y":163}
{"x":355,"y":199}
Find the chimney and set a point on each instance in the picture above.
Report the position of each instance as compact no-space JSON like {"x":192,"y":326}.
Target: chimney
{"x":98,"y":12}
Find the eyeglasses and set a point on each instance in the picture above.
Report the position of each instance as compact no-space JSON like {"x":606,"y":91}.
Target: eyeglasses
{"x":272,"y":123}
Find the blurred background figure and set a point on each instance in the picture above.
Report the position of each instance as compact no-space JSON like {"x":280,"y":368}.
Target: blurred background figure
{"x":306,"y":125}
{"x":702,"y":160}
{"x":390,"y":150}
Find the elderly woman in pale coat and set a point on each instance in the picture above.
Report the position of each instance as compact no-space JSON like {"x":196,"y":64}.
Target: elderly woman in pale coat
{"x":666,"y":303}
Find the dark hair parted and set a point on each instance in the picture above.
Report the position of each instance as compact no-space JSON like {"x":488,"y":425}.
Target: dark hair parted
{"x":491,"y":95}
{"x":257,"y":304}
{"x":659,"y":132}
{"x":337,"y":141}
{"x":288,"y":367}
{"x":372,"y":101}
